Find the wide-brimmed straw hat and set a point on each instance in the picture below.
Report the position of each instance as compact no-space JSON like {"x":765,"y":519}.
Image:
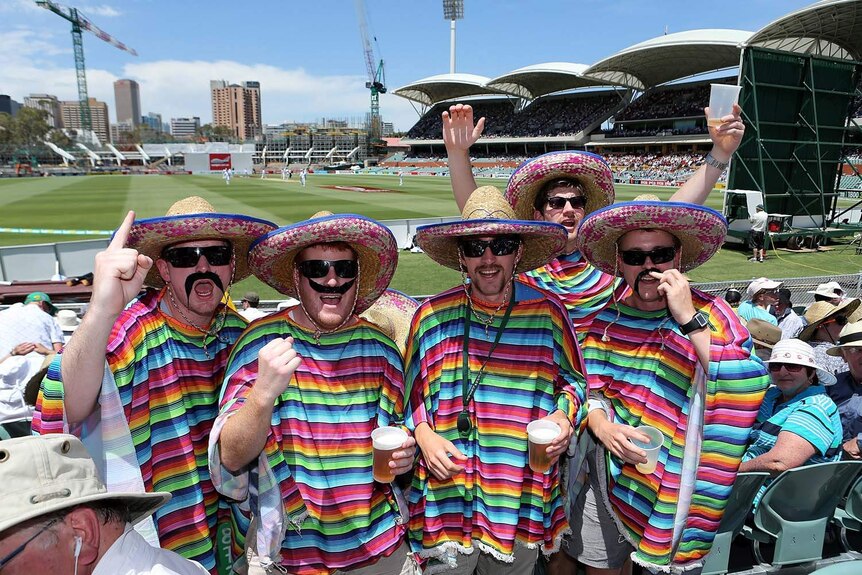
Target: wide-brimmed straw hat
{"x":822,"y":311}
{"x":763,"y":333}
{"x":850,"y":336}
{"x":48,"y":473}
{"x":272,"y":257}
{"x":700,"y":231}
{"x":392,"y":313}
{"x":487,"y":213}
{"x":589,"y":169}
{"x":798,"y":352}
{"x":192,"y":219}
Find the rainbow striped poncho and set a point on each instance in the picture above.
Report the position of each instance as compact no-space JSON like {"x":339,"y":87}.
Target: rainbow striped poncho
{"x":584,"y":290}
{"x":497,"y":501}
{"x":158,"y":402}
{"x":648,"y":374}
{"x":313,"y":477}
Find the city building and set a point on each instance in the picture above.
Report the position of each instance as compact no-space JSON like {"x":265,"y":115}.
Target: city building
{"x":120,"y":132}
{"x":237,"y":107}
{"x":50,"y":104}
{"x":153,"y":121}
{"x":386,"y":129}
{"x":8,"y":105}
{"x":127,"y":99}
{"x":185,"y":128}
{"x":70,"y":111}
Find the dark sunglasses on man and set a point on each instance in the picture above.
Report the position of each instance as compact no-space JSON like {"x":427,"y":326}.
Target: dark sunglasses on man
{"x":188,"y":257}
{"x":559,"y":202}
{"x":501,"y":246}
{"x":316,"y":269}
{"x":656,"y":256}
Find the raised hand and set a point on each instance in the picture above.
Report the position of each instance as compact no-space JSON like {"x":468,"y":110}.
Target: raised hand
{"x":674,"y":286}
{"x":459,"y":133}
{"x":276,"y":362}
{"x":118,"y":273}
{"x":727,"y":136}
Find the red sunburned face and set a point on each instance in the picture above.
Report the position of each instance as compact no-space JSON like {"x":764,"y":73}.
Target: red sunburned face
{"x":328,"y":310}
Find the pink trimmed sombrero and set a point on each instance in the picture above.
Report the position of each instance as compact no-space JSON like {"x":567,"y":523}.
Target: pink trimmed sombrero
{"x":589,"y":169}
{"x":487,"y":213}
{"x":700,"y":230}
{"x":392,"y":313}
{"x":191,"y":219}
{"x":271,"y":257}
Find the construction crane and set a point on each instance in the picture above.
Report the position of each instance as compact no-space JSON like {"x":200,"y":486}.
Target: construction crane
{"x":79,"y":23}
{"x":376,"y":76}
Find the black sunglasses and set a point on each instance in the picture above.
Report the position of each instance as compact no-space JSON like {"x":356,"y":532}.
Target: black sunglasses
{"x":315,"y":269}
{"x":791,"y":367}
{"x":559,"y":202}
{"x":656,"y":256}
{"x":188,"y":257}
{"x":504,"y":246}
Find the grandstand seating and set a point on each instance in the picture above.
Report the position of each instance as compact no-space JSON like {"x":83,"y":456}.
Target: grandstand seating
{"x":669,"y":102}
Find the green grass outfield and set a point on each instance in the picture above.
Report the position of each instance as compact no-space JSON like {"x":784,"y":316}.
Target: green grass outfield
{"x":100,"y":202}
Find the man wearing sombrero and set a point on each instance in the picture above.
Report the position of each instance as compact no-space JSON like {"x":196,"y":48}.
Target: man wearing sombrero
{"x":672,"y":358}
{"x":564,"y":187}
{"x":140,"y":377}
{"x":483,"y":360}
{"x":304,"y":390}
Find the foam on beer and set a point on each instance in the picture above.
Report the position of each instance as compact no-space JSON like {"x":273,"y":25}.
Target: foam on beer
{"x":543,"y":435}
{"x":388,"y":438}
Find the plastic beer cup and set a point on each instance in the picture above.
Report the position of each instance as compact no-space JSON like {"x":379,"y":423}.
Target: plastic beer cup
{"x":385,"y":441}
{"x":540,"y":433}
{"x":722,"y":97}
{"x":652,"y":448}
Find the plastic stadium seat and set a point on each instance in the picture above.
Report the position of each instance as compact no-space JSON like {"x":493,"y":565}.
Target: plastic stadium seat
{"x":745,"y":488}
{"x":849,"y":516}
{"x":842,"y":568}
{"x":796,"y":508}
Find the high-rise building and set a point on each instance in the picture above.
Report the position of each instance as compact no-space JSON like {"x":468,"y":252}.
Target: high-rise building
{"x":49,"y":104}
{"x":127,"y":99}
{"x":153,"y":121}
{"x":185,"y":128}
{"x":237,"y":107}
{"x":71,"y":114}
{"x":8,"y":105}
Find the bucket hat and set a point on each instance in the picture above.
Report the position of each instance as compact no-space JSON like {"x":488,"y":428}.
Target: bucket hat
{"x":798,"y":352}
{"x":763,"y":332}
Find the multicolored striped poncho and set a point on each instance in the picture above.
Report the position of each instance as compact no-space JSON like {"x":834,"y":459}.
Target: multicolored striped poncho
{"x":313,"y":477}
{"x":584,"y":290}
{"x":497,"y":501}
{"x":649,"y":374}
{"x":168,"y":383}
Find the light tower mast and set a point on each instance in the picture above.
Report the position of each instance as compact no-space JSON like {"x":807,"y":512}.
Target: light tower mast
{"x":452,"y":10}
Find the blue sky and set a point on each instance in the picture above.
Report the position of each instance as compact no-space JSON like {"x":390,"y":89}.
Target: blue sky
{"x":308,"y":55}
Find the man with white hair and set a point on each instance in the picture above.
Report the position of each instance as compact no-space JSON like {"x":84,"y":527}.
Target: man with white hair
{"x":759,"y":296}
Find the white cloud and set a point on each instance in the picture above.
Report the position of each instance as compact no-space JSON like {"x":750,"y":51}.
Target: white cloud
{"x":99,"y":10}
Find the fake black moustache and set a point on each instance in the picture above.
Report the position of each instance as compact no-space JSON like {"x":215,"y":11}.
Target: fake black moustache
{"x":644,"y":274}
{"x":340,"y":290}
{"x":190,"y":281}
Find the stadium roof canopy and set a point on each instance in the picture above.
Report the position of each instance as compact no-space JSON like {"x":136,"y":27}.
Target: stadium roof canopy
{"x":429,"y":91}
{"x":827,"y":28}
{"x":671,"y":57}
{"x":537,"y":80}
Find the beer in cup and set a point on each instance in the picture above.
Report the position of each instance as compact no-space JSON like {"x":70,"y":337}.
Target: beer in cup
{"x":540,"y":433}
{"x":722,"y":97}
{"x":385,"y":441}
{"x":652,"y":448}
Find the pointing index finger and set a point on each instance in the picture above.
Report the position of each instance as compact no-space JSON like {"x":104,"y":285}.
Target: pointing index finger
{"x":122,"y":233}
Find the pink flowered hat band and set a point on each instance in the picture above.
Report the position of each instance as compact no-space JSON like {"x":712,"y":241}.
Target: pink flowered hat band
{"x":700,"y":231}
{"x":797,"y":352}
{"x":272,"y":257}
{"x":193,"y":219}
{"x":589,"y":169}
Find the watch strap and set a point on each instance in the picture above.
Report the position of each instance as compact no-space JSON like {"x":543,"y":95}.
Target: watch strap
{"x":698,"y":321}
{"x":710,"y":160}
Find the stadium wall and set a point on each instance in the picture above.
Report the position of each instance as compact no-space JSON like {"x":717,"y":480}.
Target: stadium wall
{"x":210,"y":162}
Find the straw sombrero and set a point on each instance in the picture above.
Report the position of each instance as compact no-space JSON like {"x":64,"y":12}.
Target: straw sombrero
{"x":487,"y":213}
{"x":392,"y":313}
{"x":589,"y":169}
{"x":821,"y":311}
{"x":271,"y":257}
{"x":763,"y":333}
{"x":191,"y":219}
{"x":700,"y":230}
{"x":850,"y":336}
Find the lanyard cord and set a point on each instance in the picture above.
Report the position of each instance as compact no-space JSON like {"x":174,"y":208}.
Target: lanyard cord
{"x":468,"y":389}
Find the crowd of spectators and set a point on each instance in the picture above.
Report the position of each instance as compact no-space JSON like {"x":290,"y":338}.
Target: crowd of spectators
{"x":670,"y":102}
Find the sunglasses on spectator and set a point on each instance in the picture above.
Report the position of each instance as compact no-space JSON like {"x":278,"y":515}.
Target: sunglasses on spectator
{"x":499,"y":247}
{"x":316,"y":269}
{"x":20,"y":549}
{"x":656,"y":256}
{"x":188,"y":257}
{"x":791,"y":367}
{"x":839,"y":319}
{"x":559,"y":202}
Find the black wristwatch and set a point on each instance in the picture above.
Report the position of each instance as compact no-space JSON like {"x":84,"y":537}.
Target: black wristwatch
{"x":699,"y":321}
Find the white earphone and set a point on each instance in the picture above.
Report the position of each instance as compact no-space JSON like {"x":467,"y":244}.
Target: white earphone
{"x":78,"y":544}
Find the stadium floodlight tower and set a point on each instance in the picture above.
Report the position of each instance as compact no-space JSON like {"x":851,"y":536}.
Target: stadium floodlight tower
{"x":452,"y":10}
{"x":79,"y":23}
{"x":376,"y":77}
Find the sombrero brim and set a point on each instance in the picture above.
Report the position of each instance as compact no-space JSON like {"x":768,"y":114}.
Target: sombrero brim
{"x":393,"y":312}
{"x":588,"y":168}
{"x":271,"y":257}
{"x":700,"y":230}
{"x":152,"y":235}
{"x":543,"y":241}
{"x":848,"y":307}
